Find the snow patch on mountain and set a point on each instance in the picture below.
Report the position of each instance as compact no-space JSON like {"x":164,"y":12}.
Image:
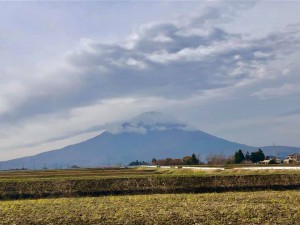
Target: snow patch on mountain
{"x":149,"y":121}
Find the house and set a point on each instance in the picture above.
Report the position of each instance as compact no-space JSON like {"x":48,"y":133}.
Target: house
{"x":293,"y":158}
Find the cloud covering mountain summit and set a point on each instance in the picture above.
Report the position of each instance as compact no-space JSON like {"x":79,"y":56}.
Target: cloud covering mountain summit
{"x":148,"y":121}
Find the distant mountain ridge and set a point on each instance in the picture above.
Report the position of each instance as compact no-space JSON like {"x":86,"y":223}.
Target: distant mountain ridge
{"x":149,"y":135}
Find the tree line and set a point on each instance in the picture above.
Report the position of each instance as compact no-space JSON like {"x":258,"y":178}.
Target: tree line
{"x":186,"y":160}
{"x":254,"y":157}
{"x":212,"y":159}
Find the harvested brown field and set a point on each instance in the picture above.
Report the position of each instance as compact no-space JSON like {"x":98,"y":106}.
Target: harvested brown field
{"x":262,"y":207}
{"x":75,"y":183}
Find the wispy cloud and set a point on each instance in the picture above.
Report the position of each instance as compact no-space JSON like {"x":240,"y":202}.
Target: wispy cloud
{"x":276,"y":92}
{"x":164,"y":59}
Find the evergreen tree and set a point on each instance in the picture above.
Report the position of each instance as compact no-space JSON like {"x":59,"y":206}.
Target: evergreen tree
{"x":247,"y":156}
{"x":257,"y":156}
{"x":253,"y":157}
{"x":260,"y":155}
{"x":194,"y":160}
{"x":239,"y":156}
{"x":154,"y":161}
{"x":138,"y":163}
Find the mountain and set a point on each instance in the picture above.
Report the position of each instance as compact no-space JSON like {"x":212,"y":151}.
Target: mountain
{"x":149,"y":135}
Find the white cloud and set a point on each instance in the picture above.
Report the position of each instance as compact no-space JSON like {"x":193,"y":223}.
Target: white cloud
{"x":165,"y":59}
{"x":259,"y":54}
{"x":162,"y":38}
{"x":276,"y":92}
{"x":136,"y":63}
{"x":12,"y":94}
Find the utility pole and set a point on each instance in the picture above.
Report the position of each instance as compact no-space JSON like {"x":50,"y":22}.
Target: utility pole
{"x":275,"y":153}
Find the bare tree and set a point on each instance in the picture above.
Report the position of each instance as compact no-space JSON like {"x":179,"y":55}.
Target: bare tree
{"x":218,"y":159}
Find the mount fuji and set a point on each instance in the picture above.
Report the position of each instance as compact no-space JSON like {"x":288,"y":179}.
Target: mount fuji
{"x":149,"y":135}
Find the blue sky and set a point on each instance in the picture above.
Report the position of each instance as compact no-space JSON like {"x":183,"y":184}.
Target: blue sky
{"x":229,"y":68}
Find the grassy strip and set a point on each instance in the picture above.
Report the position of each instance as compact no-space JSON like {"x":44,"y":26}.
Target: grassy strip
{"x":266,"y":207}
{"x":146,"y":184}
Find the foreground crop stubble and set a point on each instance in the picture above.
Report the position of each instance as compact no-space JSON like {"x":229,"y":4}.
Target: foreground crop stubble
{"x":263,"y":207}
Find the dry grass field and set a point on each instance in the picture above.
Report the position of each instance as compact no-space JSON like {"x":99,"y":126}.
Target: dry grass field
{"x":262,"y":207}
{"x":29,"y":175}
{"x":98,"y":182}
{"x":149,"y":196}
